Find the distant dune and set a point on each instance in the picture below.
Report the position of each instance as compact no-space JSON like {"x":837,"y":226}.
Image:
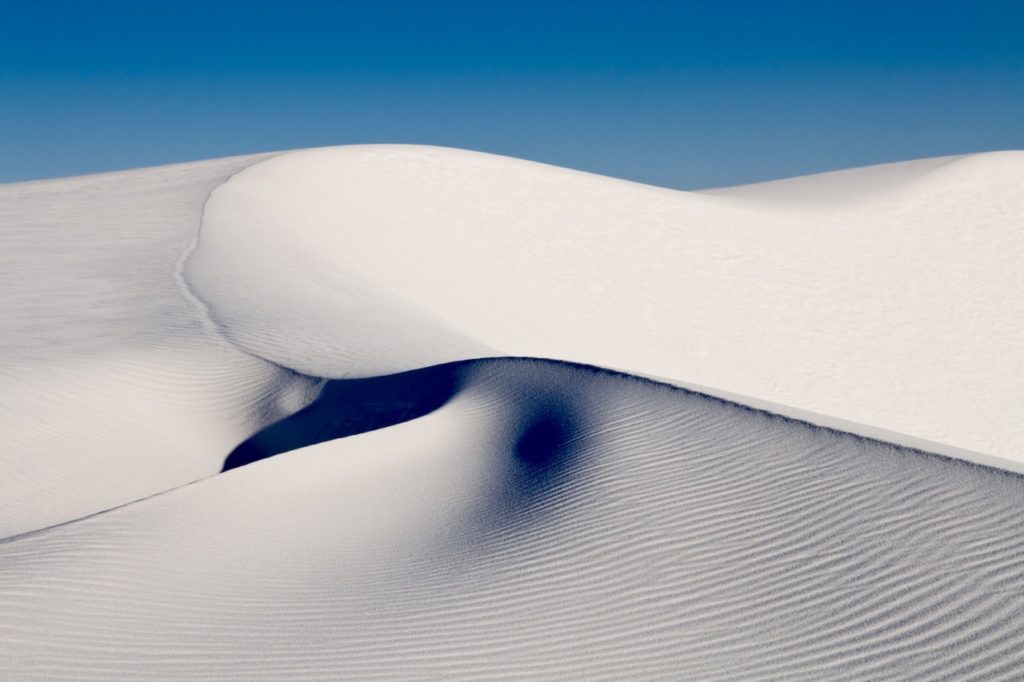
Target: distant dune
{"x":424,"y":375}
{"x":885,"y":296}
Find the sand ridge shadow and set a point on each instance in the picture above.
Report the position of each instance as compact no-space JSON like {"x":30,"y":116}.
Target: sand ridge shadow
{"x":347,"y":407}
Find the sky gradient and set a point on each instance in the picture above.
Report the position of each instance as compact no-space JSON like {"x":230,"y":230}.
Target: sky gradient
{"x":680,"y":94}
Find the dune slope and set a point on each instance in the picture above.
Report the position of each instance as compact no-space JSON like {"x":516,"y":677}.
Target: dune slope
{"x":113,"y":385}
{"x":549,"y":522}
{"x":883,"y":296}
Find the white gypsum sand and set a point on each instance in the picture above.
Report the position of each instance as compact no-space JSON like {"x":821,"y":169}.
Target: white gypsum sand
{"x":879,"y":300}
{"x":883,"y":296}
{"x":510,"y":517}
{"x":550,"y":522}
{"x":113,"y":386}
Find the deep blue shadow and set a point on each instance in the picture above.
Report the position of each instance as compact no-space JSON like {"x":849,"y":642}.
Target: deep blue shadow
{"x":546,"y":444}
{"x":346,"y":407}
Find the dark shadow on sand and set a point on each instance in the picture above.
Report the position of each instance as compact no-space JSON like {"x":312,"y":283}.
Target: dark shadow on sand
{"x":545,"y":444}
{"x":346,"y":407}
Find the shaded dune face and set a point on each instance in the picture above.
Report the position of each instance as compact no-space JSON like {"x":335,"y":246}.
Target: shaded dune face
{"x":541,"y":430}
{"x":547,"y":521}
{"x":347,"y":407}
{"x":546,"y":444}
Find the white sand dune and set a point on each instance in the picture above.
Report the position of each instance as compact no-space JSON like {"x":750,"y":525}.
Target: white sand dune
{"x":113,"y":386}
{"x":510,"y":518}
{"x":883,"y":296}
{"x":549,"y":522}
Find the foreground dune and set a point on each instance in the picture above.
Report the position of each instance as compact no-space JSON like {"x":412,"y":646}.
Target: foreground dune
{"x":549,"y":521}
{"x":392,"y":505}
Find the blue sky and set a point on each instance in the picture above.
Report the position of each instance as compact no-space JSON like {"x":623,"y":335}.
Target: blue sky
{"x":680,"y":94}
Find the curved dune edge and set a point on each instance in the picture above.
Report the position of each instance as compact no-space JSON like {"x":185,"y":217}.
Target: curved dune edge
{"x":113,"y":386}
{"x":864,"y":430}
{"x":550,"y":522}
{"x":349,"y":407}
{"x":878,"y":300}
{"x":116,"y":386}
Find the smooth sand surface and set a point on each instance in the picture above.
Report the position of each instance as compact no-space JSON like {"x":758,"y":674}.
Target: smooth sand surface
{"x":885,"y":296}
